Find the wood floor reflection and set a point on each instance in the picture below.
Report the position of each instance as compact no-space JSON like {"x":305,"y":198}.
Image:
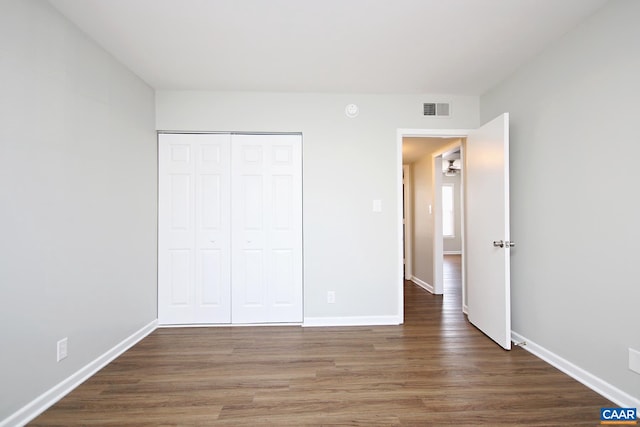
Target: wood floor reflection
{"x":436,"y":369}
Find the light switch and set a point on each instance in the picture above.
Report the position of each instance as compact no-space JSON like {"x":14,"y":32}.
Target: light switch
{"x":377,"y":205}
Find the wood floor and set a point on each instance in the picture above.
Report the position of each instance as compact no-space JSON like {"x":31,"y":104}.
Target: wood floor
{"x":434,"y":370}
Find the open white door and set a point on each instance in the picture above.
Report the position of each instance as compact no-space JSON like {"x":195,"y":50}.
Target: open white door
{"x":487,"y":230}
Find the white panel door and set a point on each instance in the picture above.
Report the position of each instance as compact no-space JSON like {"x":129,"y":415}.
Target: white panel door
{"x":487,"y":221}
{"x":194,"y":229}
{"x":266,"y":228}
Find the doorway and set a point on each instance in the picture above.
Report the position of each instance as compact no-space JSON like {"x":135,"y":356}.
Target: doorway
{"x":425,"y":160}
{"x":451,"y":207}
{"x":487,"y":236}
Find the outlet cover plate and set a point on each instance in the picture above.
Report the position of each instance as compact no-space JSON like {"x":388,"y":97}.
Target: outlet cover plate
{"x":62,"y":349}
{"x":331,"y":297}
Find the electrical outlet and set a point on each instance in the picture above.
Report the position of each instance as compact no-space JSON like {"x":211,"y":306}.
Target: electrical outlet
{"x":331,"y":297}
{"x":634,"y":360}
{"x":62,"y":349}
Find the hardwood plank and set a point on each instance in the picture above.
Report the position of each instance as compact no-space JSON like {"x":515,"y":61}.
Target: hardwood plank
{"x":436,"y":369}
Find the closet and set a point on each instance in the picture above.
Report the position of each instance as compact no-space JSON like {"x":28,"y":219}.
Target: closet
{"x":229,"y":228}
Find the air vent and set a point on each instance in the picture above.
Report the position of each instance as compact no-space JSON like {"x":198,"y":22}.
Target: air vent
{"x":437,"y":109}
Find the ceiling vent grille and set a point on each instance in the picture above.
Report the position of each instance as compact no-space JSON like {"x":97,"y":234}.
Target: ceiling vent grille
{"x":437,"y":109}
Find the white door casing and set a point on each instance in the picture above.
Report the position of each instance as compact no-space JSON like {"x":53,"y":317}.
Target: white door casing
{"x":194,"y":229}
{"x":487,"y":220}
{"x":266,"y":228}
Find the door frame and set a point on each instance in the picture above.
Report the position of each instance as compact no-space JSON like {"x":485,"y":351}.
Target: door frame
{"x":402,"y":133}
{"x":408,"y":221}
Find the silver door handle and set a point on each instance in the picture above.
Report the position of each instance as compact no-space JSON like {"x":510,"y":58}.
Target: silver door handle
{"x":498,"y":244}
{"x":503,"y":244}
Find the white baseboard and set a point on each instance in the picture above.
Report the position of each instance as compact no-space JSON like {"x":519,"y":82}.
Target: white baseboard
{"x":352,"y":321}
{"x":423,"y":284}
{"x":596,"y":384}
{"x":452,"y":253}
{"x":48,"y":398}
{"x":223,"y":325}
{"x":465,"y":309}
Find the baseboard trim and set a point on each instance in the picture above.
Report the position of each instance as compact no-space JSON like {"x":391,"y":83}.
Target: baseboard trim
{"x":352,"y":321}
{"x":424,"y":285}
{"x":596,"y":384}
{"x":452,"y":253}
{"x":224,"y":325}
{"x":40,"y":404}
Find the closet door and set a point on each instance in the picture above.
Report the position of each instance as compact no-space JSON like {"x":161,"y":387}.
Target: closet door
{"x":194,"y":229}
{"x":266,"y":228}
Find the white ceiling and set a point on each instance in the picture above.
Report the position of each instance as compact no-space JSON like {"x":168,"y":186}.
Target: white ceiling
{"x":340,"y":46}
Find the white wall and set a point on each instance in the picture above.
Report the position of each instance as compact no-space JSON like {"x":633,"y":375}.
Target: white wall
{"x":575,"y":271}
{"x":454,"y":244}
{"x":347,"y":163}
{"x":78,"y":201}
{"x":423,"y":220}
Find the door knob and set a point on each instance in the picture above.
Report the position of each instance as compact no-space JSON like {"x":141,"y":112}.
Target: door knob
{"x":503,"y":244}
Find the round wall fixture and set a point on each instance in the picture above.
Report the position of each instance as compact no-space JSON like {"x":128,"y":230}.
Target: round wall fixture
{"x":351,"y":111}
